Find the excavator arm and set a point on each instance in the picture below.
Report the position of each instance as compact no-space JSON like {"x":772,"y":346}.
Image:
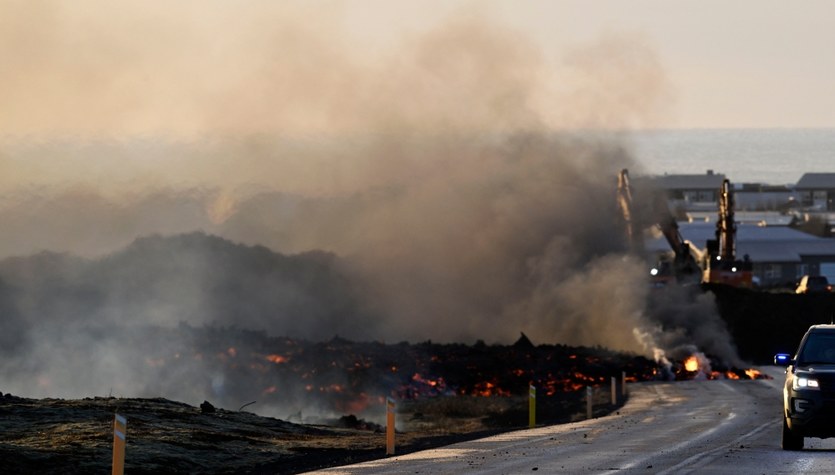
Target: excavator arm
{"x":684,"y":268}
{"x":722,"y":266}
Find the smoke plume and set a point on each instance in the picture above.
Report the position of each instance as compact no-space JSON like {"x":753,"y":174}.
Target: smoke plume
{"x":463,"y":182}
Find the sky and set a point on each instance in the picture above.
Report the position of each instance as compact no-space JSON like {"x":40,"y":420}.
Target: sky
{"x":96,"y":68}
{"x":745,"y":63}
{"x":728,"y":64}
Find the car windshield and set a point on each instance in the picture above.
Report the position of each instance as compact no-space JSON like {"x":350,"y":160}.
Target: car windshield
{"x":819,"y":348}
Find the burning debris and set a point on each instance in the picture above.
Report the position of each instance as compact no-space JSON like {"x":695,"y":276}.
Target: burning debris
{"x":340,"y":377}
{"x":691,"y":364}
{"x":289,"y":376}
{"x":699,"y":366}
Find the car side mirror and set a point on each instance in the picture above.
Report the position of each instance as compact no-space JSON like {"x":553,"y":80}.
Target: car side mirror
{"x":783,"y":359}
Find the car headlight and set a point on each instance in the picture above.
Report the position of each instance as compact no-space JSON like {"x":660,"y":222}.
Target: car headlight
{"x":804,"y":382}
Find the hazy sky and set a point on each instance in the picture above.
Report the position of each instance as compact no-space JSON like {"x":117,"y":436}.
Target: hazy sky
{"x":743,"y":63}
{"x":94,"y":67}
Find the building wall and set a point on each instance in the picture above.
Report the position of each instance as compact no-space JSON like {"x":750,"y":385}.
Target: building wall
{"x":777,"y":274}
{"x":823,"y":200}
{"x":759,"y":201}
{"x":787,"y":274}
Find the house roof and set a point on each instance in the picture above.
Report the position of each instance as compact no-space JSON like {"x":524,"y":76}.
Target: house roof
{"x":771,"y":218}
{"x":771,"y":251}
{"x":761,"y":244}
{"x":816,"y":181}
{"x":786,"y":251}
{"x":712,"y":181}
{"x":699,"y":233}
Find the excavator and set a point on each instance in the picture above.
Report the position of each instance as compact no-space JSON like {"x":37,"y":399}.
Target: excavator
{"x":683,"y":268}
{"x":721,"y":265}
{"x":689,"y":265}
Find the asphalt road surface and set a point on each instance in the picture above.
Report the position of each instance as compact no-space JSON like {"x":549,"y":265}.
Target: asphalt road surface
{"x":665,"y":428}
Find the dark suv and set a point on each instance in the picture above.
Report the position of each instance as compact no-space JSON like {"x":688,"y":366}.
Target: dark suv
{"x":809,"y":392}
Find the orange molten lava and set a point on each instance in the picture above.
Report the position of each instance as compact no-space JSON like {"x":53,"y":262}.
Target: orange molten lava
{"x":691,"y":364}
{"x":277,"y":359}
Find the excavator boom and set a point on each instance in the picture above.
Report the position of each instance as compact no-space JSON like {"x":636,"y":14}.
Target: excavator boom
{"x":722,"y":266}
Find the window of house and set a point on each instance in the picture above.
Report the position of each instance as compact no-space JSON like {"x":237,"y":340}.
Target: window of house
{"x":772,"y":271}
{"x":704,"y":196}
{"x":819,"y":198}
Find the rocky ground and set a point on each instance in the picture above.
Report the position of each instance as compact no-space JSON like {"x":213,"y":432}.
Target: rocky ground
{"x":163,"y":436}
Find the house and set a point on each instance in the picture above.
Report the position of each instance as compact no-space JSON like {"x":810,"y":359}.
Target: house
{"x":817,"y":191}
{"x":757,"y":197}
{"x":698,"y":195}
{"x":690,"y":191}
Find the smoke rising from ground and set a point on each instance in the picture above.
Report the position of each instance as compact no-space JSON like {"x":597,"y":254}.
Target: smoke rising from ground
{"x":456,"y":177}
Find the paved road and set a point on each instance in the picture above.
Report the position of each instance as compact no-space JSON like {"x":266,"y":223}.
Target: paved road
{"x":713,"y":427}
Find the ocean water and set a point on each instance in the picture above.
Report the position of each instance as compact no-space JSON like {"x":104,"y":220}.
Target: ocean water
{"x":770,"y":156}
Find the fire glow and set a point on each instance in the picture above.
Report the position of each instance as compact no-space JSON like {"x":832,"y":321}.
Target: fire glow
{"x":277,"y":359}
{"x":691,"y":364}
{"x":698,"y":366}
{"x":339,"y":375}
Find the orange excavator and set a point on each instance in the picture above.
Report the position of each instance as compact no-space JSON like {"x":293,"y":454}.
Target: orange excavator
{"x":721,"y":265}
{"x":689,"y":265}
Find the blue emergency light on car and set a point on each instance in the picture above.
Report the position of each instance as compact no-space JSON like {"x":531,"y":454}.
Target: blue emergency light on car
{"x":782,"y":359}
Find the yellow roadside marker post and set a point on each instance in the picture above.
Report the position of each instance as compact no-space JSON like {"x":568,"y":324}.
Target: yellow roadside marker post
{"x":532,"y":406}
{"x":120,"y":429}
{"x":389,"y":426}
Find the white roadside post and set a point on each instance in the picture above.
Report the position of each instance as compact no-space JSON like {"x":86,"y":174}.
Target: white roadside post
{"x":588,"y":402}
{"x":623,"y":384}
{"x":532,"y":406}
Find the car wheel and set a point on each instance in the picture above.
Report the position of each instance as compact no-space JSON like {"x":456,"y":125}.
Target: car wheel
{"x":790,"y":440}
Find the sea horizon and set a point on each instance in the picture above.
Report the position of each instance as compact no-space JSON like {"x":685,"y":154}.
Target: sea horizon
{"x":773,"y":156}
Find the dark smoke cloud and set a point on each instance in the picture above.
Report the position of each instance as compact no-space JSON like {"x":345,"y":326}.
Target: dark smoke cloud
{"x":688,"y":321}
{"x":454,"y":186}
